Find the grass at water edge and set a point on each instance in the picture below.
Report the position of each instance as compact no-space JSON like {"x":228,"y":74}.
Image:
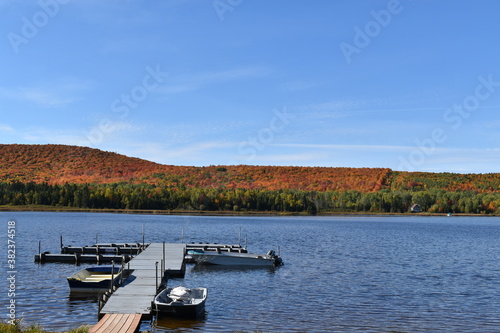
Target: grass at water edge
{"x":18,"y":327}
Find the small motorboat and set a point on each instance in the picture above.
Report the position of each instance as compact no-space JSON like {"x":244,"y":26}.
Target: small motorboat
{"x":94,"y":279}
{"x":191,"y":254}
{"x":181,"y":301}
{"x":238,"y":259}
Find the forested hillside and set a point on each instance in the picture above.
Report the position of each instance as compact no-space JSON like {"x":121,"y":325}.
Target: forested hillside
{"x":69,"y":176}
{"x":59,"y":164}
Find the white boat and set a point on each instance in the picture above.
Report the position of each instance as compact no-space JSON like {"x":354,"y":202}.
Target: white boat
{"x":94,"y":279}
{"x":181,"y":301}
{"x":237,"y":259}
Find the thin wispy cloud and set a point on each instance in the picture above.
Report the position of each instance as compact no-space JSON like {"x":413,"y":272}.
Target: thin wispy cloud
{"x":171,"y":154}
{"x":197,"y":148}
{"x":408,"y":102}
{"x":53,"y":136}
{"x":189,"y":82}
{"x":36,"y":96}
{"x":492,"y":124}
{"x":296,"y":159}
{"x":462,"y":160}
{"x":357,"y":107}
{"x":47,"y":95}
{"x":297,"y":85}
{"x":187,"y":132}
{"x":380,"y":148}
{"x":6,"y":129}
{"x":390,"y":148}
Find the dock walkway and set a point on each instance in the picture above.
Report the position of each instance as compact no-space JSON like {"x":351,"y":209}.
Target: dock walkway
{"x":139,"y":289}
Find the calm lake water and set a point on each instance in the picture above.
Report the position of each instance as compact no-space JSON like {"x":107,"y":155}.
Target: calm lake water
{"x":341,"y":274}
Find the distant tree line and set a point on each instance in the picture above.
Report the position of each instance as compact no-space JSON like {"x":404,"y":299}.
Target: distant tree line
{"x":146,"y":196}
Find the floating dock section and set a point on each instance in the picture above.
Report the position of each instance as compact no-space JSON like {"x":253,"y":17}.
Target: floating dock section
{"x":98,"y":254}
{"x":216,"y":247}
{"x":104,"y":248}
{"x":81,"y":258}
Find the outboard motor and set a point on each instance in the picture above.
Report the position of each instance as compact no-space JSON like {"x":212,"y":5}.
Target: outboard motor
{"x":278,"y":261}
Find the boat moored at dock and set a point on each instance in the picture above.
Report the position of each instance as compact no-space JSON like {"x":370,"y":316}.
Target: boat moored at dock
{"x":181,"y":302}
{"x":237,"y":259}
{"x":94,"y":279}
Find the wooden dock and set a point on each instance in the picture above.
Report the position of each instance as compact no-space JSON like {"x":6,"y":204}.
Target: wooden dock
{"x":120,"y":323}
{"x":147,"y":269}
{"x":133,"y":301}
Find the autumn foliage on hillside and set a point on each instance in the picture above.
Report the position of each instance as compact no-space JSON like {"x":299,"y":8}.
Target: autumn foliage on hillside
{"x":60,"y":164}
{"x":453,"y":182}
{"x":79,"y":177}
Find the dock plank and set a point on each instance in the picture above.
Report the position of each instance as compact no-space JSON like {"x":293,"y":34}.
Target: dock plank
{"x":100,"y":324}
{"x":114,"y":323}
{"x":133,"y":323}
{"x":117,"y":323}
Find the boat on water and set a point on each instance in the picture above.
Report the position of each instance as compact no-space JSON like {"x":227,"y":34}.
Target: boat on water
{"x":94,"y":279}
{"x":195,"y":249}
{"x":181,"y":301}
{"x":237,"y":259}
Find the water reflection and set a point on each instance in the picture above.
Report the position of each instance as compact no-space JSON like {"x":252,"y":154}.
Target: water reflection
{"x":75,"y":297}
{"x":197,"y":268}
{"x":178,"y":324}
{"x":77,"y":303}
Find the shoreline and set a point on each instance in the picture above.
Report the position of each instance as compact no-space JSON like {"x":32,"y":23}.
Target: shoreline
{"x":213,"y":213}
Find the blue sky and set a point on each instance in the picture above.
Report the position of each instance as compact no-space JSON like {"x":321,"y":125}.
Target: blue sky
{"x":408,"y":85}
